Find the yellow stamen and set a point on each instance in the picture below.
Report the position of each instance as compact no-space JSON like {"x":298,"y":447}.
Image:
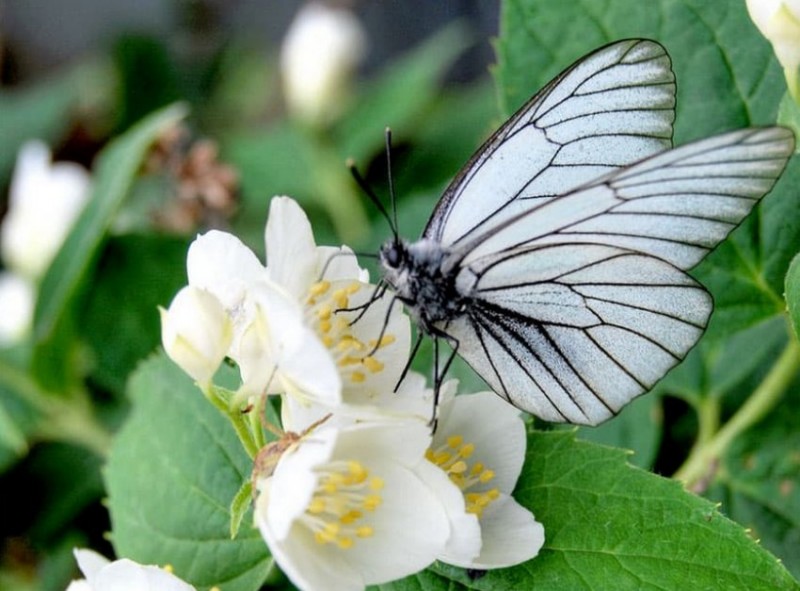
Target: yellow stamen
{"x":338,"y":512}
{"x":372,"y":364}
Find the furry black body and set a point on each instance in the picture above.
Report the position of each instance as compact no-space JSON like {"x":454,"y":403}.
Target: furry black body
{"x":421,"y":277}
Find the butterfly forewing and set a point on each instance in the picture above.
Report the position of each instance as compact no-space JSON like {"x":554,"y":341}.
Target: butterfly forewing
{"x":612,"y":108}
{"x":677,"y":205}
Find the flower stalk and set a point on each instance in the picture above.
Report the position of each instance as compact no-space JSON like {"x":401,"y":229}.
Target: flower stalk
{"x":765,"y":397}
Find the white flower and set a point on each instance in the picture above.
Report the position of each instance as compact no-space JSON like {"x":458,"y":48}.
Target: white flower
{"x":319,"y":55}
{"x":346,"y":508}
{"x":44,"y":201}
{"x":327,"y":280}
{"x":17,"y":300}
{"x":320,"y":281}
{"x":480,"y":443}
{"x":779,"y":22}
{"x":196,"y":333}
{"x":122,"y":575}
{"x":278,"y":352}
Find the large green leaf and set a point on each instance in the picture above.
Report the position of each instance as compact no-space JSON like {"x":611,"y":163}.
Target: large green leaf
{"x":793,"y":294}
{"x":135,"y":275}
{"x":727,"y":78}
{"x":609,"y":525}
{"x":172,"y":473}
{"x":116,"y":168}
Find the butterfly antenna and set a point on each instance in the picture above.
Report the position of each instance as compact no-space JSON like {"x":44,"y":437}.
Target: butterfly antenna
{"x":351,"y":165}
{"x":392,"y":198}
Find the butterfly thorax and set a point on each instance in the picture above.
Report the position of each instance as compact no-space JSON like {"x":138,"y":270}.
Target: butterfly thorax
{"x":417,"y":274}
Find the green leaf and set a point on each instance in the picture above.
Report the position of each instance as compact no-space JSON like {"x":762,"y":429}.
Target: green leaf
{"x":637,"y":428}
{"x":609,"y":525}
{"x":173,"y":471}
{"x":727,"y":78}
{"x":116,"y":168}
{"x":789,"y":115}
{"x":793,"y":294}
{"x":120,"y":322}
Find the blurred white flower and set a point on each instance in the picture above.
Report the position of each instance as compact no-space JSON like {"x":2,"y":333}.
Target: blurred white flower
{"x":779,"y":22}
{"x":122,"y":575}
{"x":196,"y":333}
{"x":319,"y":55}
{"x":44,"y":201}
{"x":17,"y":298}
{"x":480,"y":443}
{"x":346,"y":508}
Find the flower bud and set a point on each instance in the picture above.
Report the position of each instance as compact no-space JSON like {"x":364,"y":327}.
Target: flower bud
{"x":196,"y":333}
{"x":320,"y":52}
{"x":17,"y":300}
{"x":44,"y":202}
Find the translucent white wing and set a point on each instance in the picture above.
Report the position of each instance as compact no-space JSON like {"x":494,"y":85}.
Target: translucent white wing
{"x":573,"y":332}
{"x":608,"y":110}
{"x":677,"y":205}
{"x":581,"y":304}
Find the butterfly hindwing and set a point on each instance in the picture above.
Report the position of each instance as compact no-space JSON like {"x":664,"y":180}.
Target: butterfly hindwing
{"x":573,"y":332}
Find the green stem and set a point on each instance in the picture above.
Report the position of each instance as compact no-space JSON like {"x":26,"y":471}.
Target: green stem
{"x":763,"y":399}
{"x":239,"y":421}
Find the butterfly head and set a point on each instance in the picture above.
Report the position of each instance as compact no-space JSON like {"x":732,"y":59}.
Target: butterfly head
{"x":394,"y":254}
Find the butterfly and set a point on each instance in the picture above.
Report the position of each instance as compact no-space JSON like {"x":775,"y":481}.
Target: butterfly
{"x":555,"y":262}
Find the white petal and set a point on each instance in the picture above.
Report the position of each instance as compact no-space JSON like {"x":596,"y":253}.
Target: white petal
{"x":196,"y":332}
{"x":510,"y":534}
{"x":294,"y":481}
{"x":495,"y":427}
{"x":89,"y":561}
{"x":17,"y":301}
{"x":221,"y":263}
{"x":411,"y":528}
{"x":392,"y":357}
{"x":464,"y":543}
{"x":126,"y":575}
{"x":45,"y":199}
{"x":291,"y":250}
{"x":311,"y":566}
{"x":403,"y":441}
{"x":339,"y":264}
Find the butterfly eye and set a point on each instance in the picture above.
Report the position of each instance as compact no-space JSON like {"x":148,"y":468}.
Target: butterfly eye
{"x":393,"y":255}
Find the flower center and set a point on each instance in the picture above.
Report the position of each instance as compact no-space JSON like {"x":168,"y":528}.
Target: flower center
{"x":354,"y":358}
{"x":452,"y":457}
{"x":339,"y":509}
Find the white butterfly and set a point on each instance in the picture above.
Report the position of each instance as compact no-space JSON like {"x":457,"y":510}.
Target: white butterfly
{"x":555,"y":262}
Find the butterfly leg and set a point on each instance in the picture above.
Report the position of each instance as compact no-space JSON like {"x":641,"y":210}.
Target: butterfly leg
{"x":377,"y":294}
{"x":414,"y":351}
{"x":438,"y":376}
